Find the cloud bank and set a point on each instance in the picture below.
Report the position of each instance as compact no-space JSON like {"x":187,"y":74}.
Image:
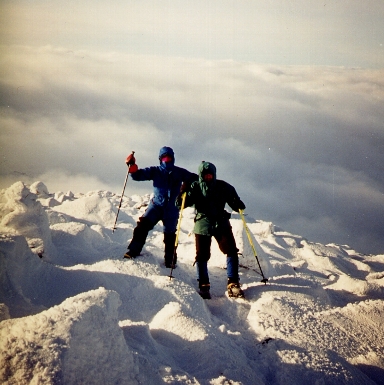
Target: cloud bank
{"x":303,"y":145}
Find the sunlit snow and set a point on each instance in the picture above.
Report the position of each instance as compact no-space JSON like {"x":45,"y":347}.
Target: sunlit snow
{"x":73,"y":311}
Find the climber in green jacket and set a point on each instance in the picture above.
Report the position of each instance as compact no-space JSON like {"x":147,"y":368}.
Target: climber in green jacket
{"x":209,"y":196}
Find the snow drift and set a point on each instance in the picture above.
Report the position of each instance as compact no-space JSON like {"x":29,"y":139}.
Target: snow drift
{"x":73,"y":311}
{"x":53,"y":346}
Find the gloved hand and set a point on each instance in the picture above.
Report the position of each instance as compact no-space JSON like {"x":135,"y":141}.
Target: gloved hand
{"x":130,"y":159}
{"x":241,"y":205}
{"x":132,"y":168}
{"x":179,"y":200}
{"x":184,"y":188}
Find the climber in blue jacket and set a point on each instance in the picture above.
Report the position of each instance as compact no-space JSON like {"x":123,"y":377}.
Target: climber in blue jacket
{"x":167,"y":180}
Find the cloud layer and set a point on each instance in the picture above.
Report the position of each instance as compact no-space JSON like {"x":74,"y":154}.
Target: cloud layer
{"x":283,"y":32}
{"x":304,"y":146}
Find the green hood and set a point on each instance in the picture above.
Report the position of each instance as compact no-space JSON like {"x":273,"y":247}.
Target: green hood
{"x":206,"y":168}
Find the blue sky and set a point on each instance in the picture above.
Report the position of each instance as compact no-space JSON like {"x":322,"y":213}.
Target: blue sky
{"x":285,"y":97}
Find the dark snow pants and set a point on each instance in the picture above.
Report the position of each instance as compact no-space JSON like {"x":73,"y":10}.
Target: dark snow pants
{"x":148,"y":221}
{"x":227,"y":245}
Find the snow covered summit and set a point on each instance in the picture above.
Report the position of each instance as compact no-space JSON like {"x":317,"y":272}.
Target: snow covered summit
{"x":74,"y":312}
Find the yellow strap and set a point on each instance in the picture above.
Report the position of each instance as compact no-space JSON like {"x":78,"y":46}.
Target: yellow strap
{"x":264,"y":280}
{"x":180,"y":216}
{"x":248,"y":232}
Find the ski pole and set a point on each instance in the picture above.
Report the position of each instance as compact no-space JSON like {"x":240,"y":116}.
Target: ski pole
{"x":121,"y":199}
{"x":264,"y":280}
{"x":177,"y":234}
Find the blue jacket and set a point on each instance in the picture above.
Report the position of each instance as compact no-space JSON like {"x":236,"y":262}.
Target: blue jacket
{"x":167,"y":180}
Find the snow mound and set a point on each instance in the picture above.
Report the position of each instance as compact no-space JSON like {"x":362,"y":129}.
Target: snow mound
{"x":94,"y":208}
{"x":68,"y":344}
{"x":21,"y":213}
{"x":39,"y":188}
{"x":172,"y":319}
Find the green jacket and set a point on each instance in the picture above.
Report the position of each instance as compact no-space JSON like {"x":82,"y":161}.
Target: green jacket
{"x":209,"y":200}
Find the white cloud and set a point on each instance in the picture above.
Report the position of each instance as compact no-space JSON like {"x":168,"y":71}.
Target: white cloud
{"x":277,"y":133}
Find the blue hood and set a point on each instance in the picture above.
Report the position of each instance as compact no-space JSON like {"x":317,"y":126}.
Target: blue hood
{"x":167,"y":150}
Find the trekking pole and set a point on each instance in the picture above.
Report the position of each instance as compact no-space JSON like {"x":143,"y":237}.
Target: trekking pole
{"x":264,"y":280}
{"x":177,"y":234}
{"x":121,"y":199}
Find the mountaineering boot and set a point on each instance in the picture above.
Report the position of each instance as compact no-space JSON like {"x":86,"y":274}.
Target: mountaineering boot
{"x":204,"y":290}
{"x":139,"y":236}
{"x":234,"y":290}
{"x":170,"y":256}
{"x":130,"y":254}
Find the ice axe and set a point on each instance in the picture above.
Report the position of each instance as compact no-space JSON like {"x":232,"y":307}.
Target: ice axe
{"x":177,"y":233}
{"x":122,"y":194}
{"x":241,"y":212}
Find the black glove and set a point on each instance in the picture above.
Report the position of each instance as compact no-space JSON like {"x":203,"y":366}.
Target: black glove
{"x":179,"y":201}
{"x":184,"y":188}
{"x":240,"y":205}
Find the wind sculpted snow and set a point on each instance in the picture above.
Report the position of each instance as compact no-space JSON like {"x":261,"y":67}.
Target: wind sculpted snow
{"x":74,"y":312}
